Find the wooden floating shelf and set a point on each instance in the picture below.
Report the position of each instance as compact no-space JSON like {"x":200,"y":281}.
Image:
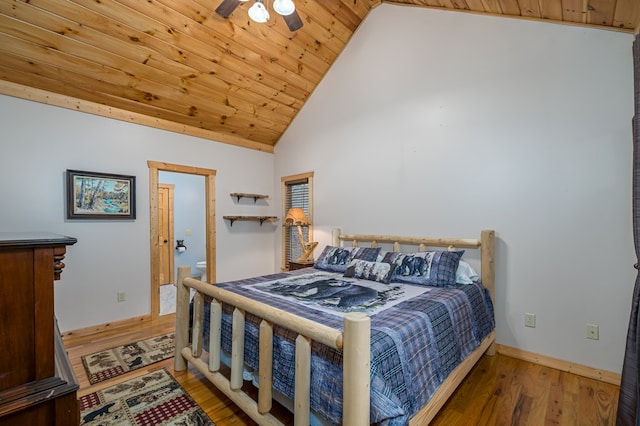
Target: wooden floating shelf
{"x":255,"y":197}
{"x":260,"y":219}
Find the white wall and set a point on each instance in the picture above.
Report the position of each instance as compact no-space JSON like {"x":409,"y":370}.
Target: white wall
{"x":435,"y":123}
{"x":40,"y":142}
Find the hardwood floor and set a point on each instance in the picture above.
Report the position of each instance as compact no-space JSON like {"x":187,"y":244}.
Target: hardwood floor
{"x":500,"y":390}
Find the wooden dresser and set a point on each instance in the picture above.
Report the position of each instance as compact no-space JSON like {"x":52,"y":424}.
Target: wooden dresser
{"x":37,"y":384}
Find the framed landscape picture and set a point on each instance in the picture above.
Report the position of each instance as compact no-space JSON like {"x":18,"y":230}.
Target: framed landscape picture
{"x":92,"y":195}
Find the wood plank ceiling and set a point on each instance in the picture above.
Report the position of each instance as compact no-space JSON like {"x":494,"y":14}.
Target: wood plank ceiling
{"x":177,"y":65}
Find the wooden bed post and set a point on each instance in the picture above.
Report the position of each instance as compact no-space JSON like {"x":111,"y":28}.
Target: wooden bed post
{"x":488,"y":267}
{"x":335,"y":237}
{"x":488,"y":271}
{"x":182,"y":318}
{"x":356,"y":384}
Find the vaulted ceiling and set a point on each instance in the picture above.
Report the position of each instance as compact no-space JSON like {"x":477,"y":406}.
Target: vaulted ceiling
{"x":178,"y":65}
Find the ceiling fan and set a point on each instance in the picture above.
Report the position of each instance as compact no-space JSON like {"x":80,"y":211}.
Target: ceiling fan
{"x":258,"y":12}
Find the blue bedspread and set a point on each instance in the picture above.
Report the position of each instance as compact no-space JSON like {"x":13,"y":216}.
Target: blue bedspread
{"x":414,"y":346}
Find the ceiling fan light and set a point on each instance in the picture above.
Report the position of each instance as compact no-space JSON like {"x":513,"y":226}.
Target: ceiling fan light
{"x":258,"y":12}
{"x":284,"y":7}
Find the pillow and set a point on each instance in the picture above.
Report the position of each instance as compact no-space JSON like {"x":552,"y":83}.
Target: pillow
{"x":372,"y":271}
{"x":465,"y":274}
{"x":337,"y":259}
{"x":433,"y":268}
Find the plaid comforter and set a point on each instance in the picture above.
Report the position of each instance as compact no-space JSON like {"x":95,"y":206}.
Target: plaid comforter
{"x":414,"y":347}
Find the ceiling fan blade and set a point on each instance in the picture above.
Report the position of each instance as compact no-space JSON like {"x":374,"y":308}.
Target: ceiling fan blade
{"x":227,"y":7}
{"x":293,"y":21}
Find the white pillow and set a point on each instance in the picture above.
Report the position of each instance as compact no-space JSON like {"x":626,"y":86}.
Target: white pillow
{"x":465,"y":273}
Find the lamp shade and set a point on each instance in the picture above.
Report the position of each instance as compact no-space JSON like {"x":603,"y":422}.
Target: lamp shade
{"x":284,"y":7}
{"x":296,"y":216}
{"x":258,"y":12}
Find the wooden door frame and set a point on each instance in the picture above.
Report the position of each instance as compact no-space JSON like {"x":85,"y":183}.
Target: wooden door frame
{"x":210,"y":220}
{"x":170,"y":237}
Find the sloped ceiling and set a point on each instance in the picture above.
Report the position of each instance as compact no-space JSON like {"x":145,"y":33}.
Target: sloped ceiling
{"x":177,"y":65}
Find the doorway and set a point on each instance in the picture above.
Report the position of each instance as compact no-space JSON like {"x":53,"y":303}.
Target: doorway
{"x":154,"y":213}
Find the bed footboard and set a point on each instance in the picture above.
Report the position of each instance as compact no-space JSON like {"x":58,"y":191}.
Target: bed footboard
{"x":354,"y":342}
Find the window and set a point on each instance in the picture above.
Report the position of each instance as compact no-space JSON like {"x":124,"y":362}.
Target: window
{"x":296,"y":192}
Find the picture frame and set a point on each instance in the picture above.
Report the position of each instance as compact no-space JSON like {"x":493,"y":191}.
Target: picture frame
{"x":94,"y":195}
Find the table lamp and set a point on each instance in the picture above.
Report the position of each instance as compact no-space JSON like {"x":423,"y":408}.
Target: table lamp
{"x":297,"y":217}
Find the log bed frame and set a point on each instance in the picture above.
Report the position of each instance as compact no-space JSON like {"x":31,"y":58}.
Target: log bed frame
{"x":354,"y":341}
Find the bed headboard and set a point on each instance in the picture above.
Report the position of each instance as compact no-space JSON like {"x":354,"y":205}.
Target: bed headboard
{"x":486,"y":245}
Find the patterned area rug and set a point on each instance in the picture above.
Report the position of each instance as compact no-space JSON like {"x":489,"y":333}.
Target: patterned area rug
{"x":152,"y":399}
{"x":111,"y":363}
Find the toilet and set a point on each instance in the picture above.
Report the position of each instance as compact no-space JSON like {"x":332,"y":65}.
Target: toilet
{"x":202,"y":267}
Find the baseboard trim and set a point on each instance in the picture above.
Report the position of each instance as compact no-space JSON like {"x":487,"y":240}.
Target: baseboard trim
{"x":82,"y":333}
{"x":558,"y":364}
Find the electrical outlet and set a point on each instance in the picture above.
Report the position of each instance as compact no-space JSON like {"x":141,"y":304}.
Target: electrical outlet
{"x":122,"y":296}
{"x":593,"y":332}
{"x":529,"y":320}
